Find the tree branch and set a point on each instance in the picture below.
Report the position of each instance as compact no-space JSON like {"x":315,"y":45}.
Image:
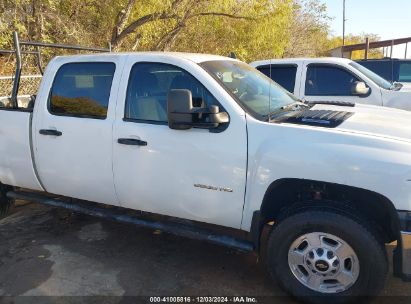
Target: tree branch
{"x":140,"y":22}
{"x":120,"y":31}
{"x":221,"y":15}
{"x":168,"y":39}
{"x":121,"y":20}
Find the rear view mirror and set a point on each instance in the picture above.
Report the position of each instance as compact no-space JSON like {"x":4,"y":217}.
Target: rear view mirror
{"x":182,"y":115}
{"x":360,"y":89}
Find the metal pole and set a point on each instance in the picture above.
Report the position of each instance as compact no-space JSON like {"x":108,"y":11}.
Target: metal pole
{"x":38,"y":60}
{"x":343,"y":35}
{"x":367,"y":48}
{"x":14,"y":52}
{"x":406,"y":49}
{"x":18,"y":71}
{"x":63,"y":46}
{"x":392,"y":48}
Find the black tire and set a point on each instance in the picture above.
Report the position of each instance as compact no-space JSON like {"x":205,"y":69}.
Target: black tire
{"x":371,"y":255}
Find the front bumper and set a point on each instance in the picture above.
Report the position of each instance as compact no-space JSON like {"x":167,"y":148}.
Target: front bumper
{"x":402,"y":254}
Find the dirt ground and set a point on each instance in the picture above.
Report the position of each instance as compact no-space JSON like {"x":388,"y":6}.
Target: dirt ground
{"x":46,"y":251}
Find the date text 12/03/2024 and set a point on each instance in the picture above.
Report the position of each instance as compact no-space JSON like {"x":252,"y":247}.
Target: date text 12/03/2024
{"x":236,"y":299}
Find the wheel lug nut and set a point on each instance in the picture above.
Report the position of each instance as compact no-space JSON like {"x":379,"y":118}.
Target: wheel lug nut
{"x":335,"y":263}
{"x":330,"y":255}
{"x":320,"y":251}
{"x":311,"y":255}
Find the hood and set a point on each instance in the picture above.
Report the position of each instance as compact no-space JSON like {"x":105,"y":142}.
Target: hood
{"x":374,"y":121}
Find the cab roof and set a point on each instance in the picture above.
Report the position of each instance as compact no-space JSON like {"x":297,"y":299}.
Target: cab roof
{"x":301,"y":60}
{"x":194,"y":57}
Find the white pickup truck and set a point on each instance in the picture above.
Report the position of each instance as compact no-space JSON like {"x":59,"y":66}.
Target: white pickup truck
{"x":214,"y":142}
{"x":335,"y":79}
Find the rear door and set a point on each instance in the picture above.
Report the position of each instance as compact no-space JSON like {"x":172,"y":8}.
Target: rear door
{"x":194,"y":174}
{"x":73,"y":134}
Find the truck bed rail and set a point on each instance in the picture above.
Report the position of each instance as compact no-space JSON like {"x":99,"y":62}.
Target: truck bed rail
{"x":19,"y":51}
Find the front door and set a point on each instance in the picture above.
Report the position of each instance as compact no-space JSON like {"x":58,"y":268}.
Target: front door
{"x":327,"y":82}
{"x":193,"y":174}
{"x":73,"y":135}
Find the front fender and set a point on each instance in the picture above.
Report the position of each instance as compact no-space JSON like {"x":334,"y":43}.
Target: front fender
{"x":278,"y":151}
{"x":397,"y":99}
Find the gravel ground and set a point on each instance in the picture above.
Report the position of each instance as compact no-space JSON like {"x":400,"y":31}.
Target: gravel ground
{"x":51,"y":252}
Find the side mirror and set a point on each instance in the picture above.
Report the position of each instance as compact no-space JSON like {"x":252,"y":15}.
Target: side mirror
{"x":360,"y":89}
{"x":182,"y":115}
{"x":397,"y":85}
{"x":179,"y":108}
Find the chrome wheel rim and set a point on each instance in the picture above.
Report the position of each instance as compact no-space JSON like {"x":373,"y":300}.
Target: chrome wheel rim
{"x":323,"y":262}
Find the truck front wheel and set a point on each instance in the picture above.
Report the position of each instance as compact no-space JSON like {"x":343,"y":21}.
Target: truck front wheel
{"x":318,"y":255}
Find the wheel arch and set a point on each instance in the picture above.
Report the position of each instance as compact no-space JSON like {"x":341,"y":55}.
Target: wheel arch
{"x":284,"y":194}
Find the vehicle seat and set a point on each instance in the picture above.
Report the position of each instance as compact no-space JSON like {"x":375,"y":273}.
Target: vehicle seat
{"x":145,"y":100}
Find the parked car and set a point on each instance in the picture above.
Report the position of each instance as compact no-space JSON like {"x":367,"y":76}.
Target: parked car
{"x":391,"y":69}
{"x":214,"y":142}
{"x":334,"y":79}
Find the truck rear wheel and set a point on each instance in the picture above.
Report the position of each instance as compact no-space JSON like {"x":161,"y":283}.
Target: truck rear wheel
{"x":322,"y":255}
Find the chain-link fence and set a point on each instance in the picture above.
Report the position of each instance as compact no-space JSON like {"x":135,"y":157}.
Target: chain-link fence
{"x":29,"y":85}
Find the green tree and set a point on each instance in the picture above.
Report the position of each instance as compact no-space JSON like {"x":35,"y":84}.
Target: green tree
{"x":252,"y":29}
{"x":308,"y":30}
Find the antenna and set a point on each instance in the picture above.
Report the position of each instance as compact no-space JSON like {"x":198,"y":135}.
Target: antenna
{"x":269,"y":94}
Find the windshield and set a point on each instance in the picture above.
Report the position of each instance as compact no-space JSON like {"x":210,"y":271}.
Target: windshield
{"x":381,"y":82}
{"x":257,"y":93}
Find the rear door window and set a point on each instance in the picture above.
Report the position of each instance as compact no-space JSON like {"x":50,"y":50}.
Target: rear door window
{"x":82,"y":89}
{"x":326,"y":80}
{"x":284,"y":75}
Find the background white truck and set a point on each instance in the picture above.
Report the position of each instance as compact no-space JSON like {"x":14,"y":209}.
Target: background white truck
{"x":214,"y":142}
{"x":335,"y":79}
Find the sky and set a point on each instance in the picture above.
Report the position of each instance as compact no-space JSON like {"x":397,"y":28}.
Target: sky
{"x":387,"y":18}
